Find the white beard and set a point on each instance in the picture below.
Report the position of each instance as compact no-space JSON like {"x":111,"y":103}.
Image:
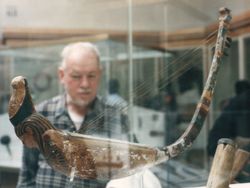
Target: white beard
{"x":77,"y":102}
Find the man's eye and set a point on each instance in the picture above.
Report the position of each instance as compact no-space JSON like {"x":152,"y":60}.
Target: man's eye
{"x":76,"y":77}
{"x":92,"y":76}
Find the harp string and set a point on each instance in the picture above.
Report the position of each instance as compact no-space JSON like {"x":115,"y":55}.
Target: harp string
{"x":144,"y":87}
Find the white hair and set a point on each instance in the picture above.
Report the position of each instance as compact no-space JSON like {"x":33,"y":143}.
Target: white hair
{"x":79,"y":48}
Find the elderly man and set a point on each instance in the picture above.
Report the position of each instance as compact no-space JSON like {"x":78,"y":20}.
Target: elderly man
{"x":78,"y":109}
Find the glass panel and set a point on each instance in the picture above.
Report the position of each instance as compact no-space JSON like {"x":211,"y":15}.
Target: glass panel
{"x":154,"y":54}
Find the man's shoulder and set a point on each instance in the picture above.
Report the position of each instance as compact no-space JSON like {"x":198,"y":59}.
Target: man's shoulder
{"x":50,"y":103}
{"x":116,"y":100}
{"x":101,"y":104}
{"x":239,"y":102}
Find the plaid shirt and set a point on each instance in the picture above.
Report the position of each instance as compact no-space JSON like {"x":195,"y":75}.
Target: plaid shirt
{"x":102,"y":120}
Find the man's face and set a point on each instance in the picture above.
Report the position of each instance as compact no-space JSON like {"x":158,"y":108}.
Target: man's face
{"x":81,"y":77}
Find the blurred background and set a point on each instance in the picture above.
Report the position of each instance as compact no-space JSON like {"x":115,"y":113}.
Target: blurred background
{"x":157,"y":50}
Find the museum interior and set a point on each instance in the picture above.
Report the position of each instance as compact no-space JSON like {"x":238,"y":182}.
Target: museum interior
{"x":160,"y":54}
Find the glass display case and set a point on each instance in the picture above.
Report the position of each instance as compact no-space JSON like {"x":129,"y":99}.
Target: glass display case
{"x":159,"y":51}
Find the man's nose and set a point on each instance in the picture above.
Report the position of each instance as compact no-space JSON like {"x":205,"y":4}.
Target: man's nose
{"x":84,"y":82}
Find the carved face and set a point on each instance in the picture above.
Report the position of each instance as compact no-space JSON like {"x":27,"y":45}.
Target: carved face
{"x":80,"y":77}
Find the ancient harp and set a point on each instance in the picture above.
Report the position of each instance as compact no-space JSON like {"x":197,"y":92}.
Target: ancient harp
{"x":90,"y":157}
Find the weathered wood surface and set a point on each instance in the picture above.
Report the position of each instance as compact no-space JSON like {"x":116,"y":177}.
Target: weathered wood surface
{"x":219,"y":176}
{"x":240,"y":161}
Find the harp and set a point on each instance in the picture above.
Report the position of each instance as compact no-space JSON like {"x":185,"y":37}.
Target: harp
{"x":90,"y":157}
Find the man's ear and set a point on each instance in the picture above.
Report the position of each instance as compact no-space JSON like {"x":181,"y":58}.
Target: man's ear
{"x":60,"y":73}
